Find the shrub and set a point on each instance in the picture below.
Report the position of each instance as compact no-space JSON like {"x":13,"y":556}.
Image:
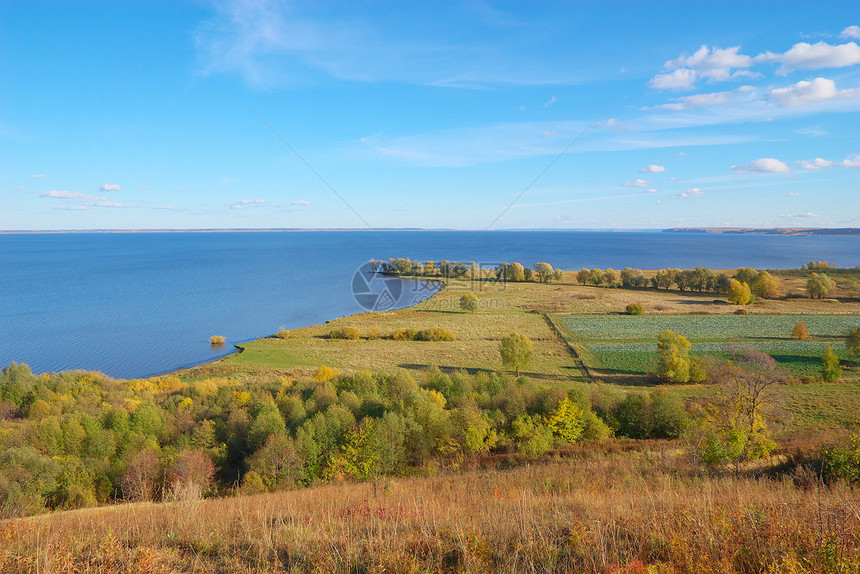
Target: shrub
{"x":404,"y":334}
{"x":843,"y":462}
{"x":634,"y":309}
{"x":830,"y":369}
{"x":373,"y":333}
{"x":325,"y":373}
{"x":348,"y":333}
{"x":469,"y":302}
{"x":742,"y":312}
{"x":283,"y":334}
{"x":217,"y":339}
{"x":435,"y":334}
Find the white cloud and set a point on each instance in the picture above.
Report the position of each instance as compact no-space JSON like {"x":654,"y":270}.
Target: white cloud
{"x":107,"y":204}
{"x":682,"y":79}
{"x":763,"y":165}
{"x":110,"y":187}
{"x":72,"y":207}
{"x":804,"y":56}
{"x":246,"y":203}
{"x":549,"y":134}
{"x":851,"y":32}
{"x":301,"y":202}
{"x":714,"y":64}
{"x":804,"y":92}
{"x":653,"y":169}
{"x":692,"y":192}
{"x":806,"y":215}
{"x":651,"y":190}
{"x":851,"y":161}
{"x":636,"y":183}
{"x":59,"y":194}
{"x":551,"y":101}
{"x":792,"y":194}
{"x":695,"y":101}
{"x":817,"y":163}
{"x":38,"y":176}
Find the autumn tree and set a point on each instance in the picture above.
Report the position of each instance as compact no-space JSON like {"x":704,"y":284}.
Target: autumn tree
{"x":766,"y":285}
{"x":800,"y":331}
{"x":819,"y":285}
{"x":583,"y":276}
{"x":733,"y":427}
{"x":516,"y":351}
{"x":738,"y":293}
{"x":544,"y":272}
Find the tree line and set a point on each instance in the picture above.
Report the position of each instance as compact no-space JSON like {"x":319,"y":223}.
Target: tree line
{"x":542,"y":272}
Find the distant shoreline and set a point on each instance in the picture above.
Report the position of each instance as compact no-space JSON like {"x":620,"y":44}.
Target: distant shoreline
{"x":804,"y":231}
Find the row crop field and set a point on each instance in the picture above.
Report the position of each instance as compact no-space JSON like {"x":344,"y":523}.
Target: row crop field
{"x":627,"y":345}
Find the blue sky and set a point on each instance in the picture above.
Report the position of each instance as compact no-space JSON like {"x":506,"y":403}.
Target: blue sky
{"x":157,"y":114}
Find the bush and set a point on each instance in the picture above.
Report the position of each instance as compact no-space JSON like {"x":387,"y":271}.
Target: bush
{"x":742,"y":312}
{"x":404,"y":334}
{"x":348,"y":333}
{"x":469,"y":302}
{"x":373,"y":333}
{"x":282,"y":334}
{"x":217,"y":339}
{"x":634,"y":309}
{"x":435,"y":334}
{"x":843,"y":463}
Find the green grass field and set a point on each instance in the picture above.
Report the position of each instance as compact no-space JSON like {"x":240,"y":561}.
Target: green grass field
{"x":627,"y":345}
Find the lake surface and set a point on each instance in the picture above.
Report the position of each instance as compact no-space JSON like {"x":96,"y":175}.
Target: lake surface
{"x":137,"y":304}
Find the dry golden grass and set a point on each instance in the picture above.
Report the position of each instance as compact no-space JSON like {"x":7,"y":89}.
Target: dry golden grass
{"x":598,"y":512}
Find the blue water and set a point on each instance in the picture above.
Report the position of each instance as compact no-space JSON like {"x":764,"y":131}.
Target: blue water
{"x":132,"y":305}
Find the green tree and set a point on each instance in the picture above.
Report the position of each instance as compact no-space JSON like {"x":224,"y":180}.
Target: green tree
{"x":469,"y":302}
{"x":673,"y":354}
{"x":852,"y":342}
{"x":567,"y":421}
{"x":583,"y":276}
{"x":738,"y":293}
{"x":516,"y":351}
{"x":830,"y":369}
{"x":516,"y":272}
{"x":746,"y":275}
{"x":819,"y":285}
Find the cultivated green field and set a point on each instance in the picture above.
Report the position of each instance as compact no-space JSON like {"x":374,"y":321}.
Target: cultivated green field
{"x":626,"y":345}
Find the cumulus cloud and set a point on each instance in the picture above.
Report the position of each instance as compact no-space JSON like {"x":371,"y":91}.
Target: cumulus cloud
{"x":763,"y":165}
{"x":38,"y":176}
{"x":653,"y":169}
{"x":246,"y":203}
{"x":692,"y":192}
{"x":636,"y":183}
{"x":714,"y":64}
{"x":804,"y":92}
{"x":804,"y":56}
{"x":851,"y":32}
{"x":817,"y":163}
{"x":681,"y":79}
{"x":60,"y":194}
{"x":851,"y":161}
{"x":110,"y":187}
{"x":301,"y":202}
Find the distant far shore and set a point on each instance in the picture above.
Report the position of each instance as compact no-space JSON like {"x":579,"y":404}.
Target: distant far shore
{"x":836,"y":232}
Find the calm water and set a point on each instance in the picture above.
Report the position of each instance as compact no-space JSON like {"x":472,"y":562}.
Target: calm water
{"x":132,"y":305}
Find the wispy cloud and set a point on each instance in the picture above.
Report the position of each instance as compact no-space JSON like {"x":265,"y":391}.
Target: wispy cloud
{"x":817,"y":163}
{"x":851,"y":32}
{"x":551,"y":101}
{"x":653,"y":168}
{"x":636,"y":183}
{"x":244,"y":203}
{"x":301,"y":202}
{"x":62,"y":194}
{"x":691,"y":192}
{"x":38,"y":176}
{"x":763,"y":165}
{"x":110,"y":187}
